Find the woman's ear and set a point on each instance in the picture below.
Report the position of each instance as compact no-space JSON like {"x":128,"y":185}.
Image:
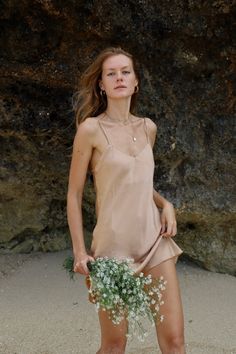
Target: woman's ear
{"x":100,"y":84}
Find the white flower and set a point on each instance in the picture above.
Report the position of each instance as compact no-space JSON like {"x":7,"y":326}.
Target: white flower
{"x":111,"y":279}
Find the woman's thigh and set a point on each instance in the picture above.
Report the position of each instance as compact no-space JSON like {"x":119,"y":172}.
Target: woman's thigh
{"x":112,"y":334}
{"x":173,"y":323}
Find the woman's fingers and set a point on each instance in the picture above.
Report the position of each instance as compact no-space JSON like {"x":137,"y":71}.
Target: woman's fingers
{"x":168,"y":221}
{"x":168,"y":231}
{"x":89,"y":259}
{"x":81,"y":265}
{"x":175,"y":229}
{"x":171,"y":229}
{"x":163,"y":224}
{"x":77,"y":267}
{"x":163,"y":227}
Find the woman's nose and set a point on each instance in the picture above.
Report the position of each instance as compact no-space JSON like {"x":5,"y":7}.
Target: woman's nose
{"x":119,"y":76}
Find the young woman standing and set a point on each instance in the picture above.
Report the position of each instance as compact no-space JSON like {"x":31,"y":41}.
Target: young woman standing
{"x":116,"y":145}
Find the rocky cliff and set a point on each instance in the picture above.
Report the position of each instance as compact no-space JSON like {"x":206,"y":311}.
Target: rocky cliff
{"x":187,"y":53}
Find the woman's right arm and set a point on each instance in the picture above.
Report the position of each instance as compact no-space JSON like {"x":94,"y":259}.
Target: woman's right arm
{"x":81,"y":155}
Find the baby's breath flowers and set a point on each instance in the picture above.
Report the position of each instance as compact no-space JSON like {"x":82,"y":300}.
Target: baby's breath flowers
{"x":114,"y":287}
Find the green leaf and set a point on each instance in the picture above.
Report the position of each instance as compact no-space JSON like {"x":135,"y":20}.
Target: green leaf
{"x":68,"y":264}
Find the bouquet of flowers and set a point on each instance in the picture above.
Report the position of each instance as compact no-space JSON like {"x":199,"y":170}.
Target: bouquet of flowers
{"x":114,"y":287}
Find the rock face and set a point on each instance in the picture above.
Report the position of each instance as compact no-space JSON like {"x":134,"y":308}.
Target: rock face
{"x":187,"y":53}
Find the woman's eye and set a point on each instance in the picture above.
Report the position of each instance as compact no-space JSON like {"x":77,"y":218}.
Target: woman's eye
{"x":126,"y":72}
{"x":110,"y":74}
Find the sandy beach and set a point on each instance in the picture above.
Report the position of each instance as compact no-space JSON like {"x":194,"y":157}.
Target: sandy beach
{"x":44,"y":312}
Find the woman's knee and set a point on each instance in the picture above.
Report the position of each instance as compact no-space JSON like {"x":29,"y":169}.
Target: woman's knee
{"x":113,"y":341}
{"x":173,"y":344}
{"x":114,"y":346}
{"x":177,"y":341}
{"x":113,"y":337}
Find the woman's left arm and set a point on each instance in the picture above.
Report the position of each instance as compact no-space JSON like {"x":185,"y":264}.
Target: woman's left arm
{"x":168,"y":218}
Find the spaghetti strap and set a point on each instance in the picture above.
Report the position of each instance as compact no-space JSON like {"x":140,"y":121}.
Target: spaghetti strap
{"x":104,"y":132}
{"x":146,"y":130}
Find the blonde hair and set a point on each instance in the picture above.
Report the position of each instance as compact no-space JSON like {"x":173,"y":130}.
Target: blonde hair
{"x":87,"y":100}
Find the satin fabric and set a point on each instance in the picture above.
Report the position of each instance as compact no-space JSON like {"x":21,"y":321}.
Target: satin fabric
{"x":128,"y":220}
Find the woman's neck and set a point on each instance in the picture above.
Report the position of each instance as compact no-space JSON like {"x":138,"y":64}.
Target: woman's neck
{"x":118,"y":110}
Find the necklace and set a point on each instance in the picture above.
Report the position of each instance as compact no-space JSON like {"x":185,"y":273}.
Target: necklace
{"x":123,"y":123}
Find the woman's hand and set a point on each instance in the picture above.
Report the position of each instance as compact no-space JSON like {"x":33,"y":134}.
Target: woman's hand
{"x":168,"y":220}
{"x":80,"y":263}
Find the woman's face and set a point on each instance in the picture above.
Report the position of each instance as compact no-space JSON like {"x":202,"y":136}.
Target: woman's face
{"x":118,"y":77}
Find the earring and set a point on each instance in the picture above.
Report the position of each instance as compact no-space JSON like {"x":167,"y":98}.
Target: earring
{"x":102,"y":92}
{"x":136,"y":89}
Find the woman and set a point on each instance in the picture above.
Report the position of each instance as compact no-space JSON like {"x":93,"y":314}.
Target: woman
{"x":116,"y":145}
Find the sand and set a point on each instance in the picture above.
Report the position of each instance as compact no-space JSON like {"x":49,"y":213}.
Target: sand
{"x":44,"y":312}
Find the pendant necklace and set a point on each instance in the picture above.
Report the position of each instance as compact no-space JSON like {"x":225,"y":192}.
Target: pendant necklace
{"x":127,"y":121}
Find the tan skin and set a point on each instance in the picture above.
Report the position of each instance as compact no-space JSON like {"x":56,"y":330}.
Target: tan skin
{"x":89,"y":143}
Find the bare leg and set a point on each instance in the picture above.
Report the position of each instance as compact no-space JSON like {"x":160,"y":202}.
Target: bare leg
{"x":170,"y":332}
{"x":113,"y":337}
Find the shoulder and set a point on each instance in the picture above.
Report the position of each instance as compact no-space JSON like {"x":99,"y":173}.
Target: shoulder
{"x":152,"y":130}
{"x":88,"y":125}
{"x":152,"y":127}
{"x":87,"y":128}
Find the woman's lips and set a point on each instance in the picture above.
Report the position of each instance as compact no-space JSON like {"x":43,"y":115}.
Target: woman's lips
{"x":119,"y":87}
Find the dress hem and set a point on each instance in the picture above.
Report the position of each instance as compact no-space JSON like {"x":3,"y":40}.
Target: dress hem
{"x":164,"y":260}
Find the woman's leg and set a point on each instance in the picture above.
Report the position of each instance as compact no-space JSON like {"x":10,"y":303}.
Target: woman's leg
{"x":170,"y":332}
{"x":113,"y":337}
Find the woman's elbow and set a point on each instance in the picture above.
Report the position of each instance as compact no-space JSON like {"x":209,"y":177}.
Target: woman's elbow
{"x":74,"y":195}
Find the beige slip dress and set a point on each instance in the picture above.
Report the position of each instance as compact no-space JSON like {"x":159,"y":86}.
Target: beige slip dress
{"x":128,"y":220}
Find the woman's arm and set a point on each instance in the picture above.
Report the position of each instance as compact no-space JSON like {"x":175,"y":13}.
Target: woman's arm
{"x":81,"y":155}
{"x":160,"y":201}
{"x":168,"y":219}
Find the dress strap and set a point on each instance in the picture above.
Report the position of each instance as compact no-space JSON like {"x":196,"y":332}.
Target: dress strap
{"x":145,"y":125}
{"x":104,"y":132}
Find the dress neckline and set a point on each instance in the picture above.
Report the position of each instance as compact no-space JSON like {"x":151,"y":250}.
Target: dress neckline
{"x":110,"y":146}
{"x":126,"y":154}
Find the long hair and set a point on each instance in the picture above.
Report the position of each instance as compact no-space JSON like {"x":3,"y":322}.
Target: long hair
{"x":87,"y":100}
